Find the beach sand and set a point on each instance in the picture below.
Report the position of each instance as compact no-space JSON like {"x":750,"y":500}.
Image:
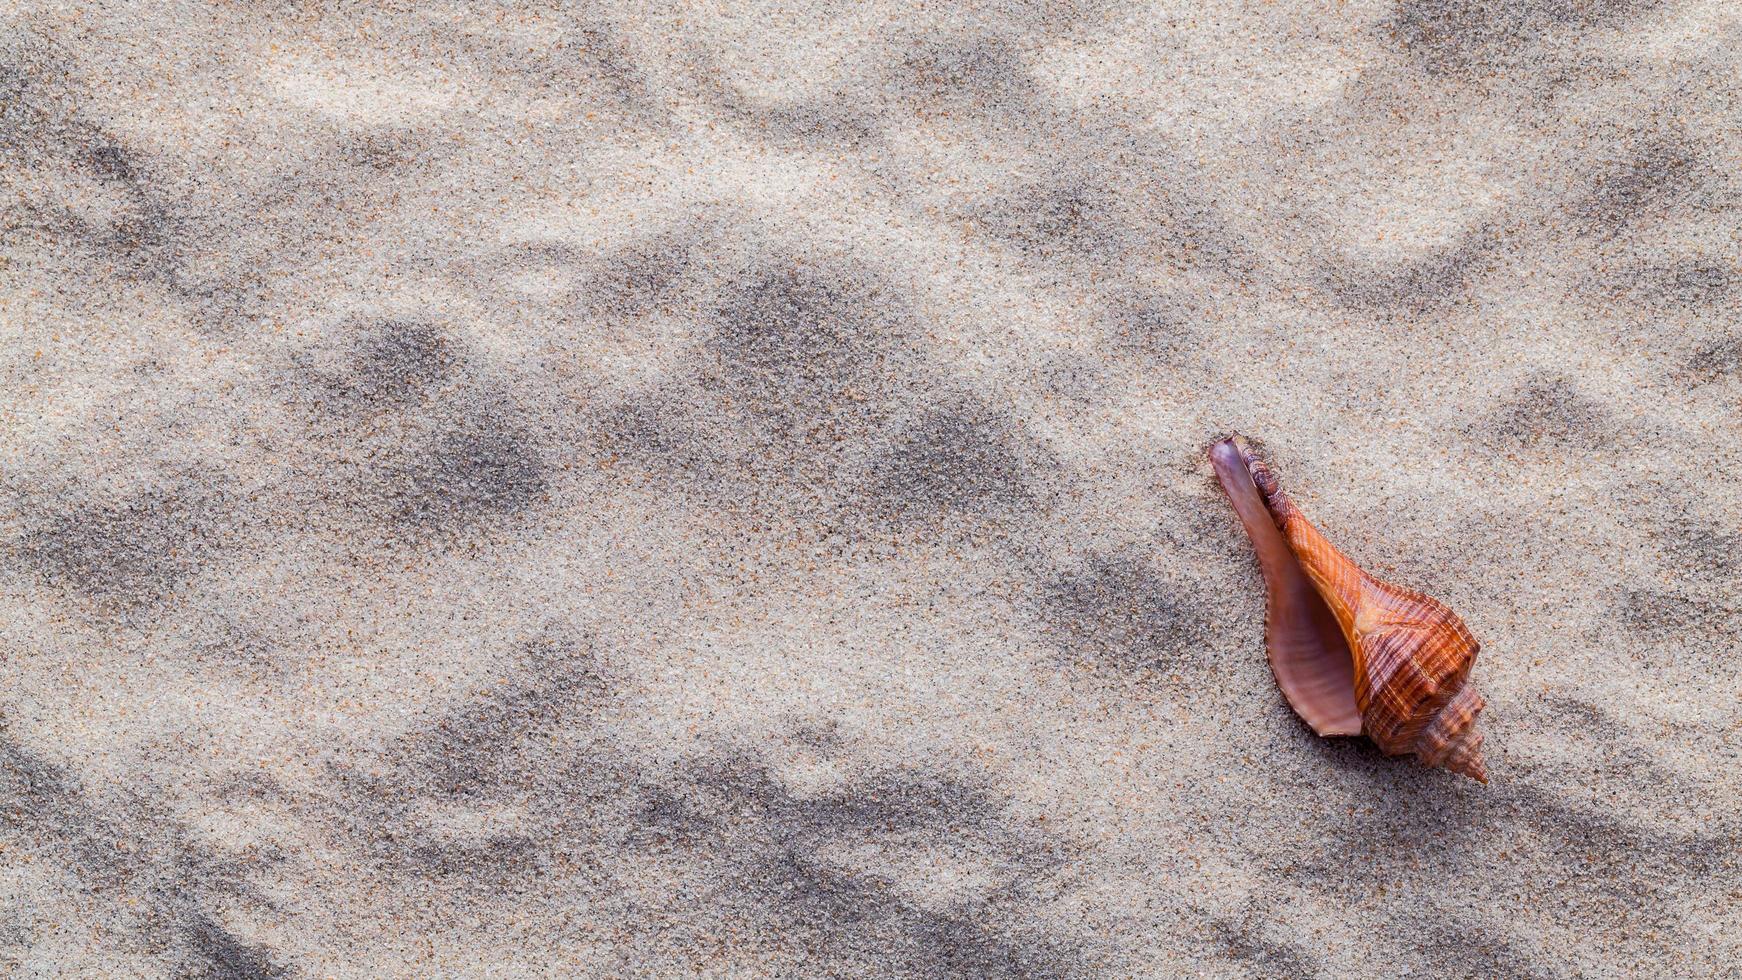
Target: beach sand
{"x":497,"y":490}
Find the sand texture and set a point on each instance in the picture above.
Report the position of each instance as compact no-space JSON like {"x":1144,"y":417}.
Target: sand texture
{"x":632,"y":490}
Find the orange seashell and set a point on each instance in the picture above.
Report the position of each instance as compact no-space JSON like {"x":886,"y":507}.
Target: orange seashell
{"x":1354,"y":654}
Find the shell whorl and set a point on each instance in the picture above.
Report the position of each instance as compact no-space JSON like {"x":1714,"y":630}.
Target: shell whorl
{"x":1411,"y":654}
{"x":1412,"y":666}
{"x":1451,"y":741}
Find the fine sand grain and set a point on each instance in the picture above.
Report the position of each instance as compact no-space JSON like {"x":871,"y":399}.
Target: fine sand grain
{"x":626,"y":489}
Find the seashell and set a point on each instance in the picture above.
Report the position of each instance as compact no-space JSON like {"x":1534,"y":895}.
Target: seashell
{"x":1354,"y":654}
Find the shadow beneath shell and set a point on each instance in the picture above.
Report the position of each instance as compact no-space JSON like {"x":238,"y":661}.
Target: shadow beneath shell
{"x":1395,"y":804}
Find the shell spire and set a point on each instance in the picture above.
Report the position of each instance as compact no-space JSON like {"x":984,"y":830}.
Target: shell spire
{"x":1400,"y":659}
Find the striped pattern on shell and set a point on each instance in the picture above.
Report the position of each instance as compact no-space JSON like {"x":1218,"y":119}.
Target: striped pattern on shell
{"x":1411,"y":654}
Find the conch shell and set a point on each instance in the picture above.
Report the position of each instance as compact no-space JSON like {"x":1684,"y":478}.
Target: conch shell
{"x":1354,"y":654}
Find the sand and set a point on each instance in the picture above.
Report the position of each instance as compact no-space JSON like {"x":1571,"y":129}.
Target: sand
{"x":500,"y":490}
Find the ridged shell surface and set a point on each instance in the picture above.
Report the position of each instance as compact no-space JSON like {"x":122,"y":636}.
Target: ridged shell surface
{"x":1412,"y":655}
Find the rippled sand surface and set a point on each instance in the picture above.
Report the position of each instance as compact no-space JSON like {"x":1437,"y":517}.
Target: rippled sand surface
{"x":623,"y":489}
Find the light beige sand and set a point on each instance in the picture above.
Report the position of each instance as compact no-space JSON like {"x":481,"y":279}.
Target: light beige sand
{"x":635,"y":490}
